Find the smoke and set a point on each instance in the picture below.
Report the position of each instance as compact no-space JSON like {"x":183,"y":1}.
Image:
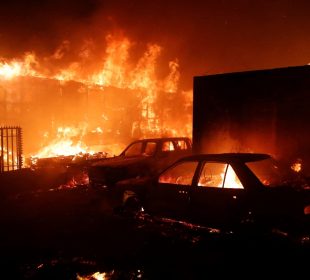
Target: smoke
{"x":206,"y":36}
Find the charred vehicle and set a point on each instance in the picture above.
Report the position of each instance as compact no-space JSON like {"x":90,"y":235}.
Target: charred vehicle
{"x":223,"y":190}
{"x":140,"y":158}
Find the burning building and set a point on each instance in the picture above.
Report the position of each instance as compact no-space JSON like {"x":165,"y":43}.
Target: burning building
{"x":78,"y":108}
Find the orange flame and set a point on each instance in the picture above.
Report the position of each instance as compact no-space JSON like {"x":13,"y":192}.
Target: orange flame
{"x":231,"y":179}
{"x":115,"y":66}
{"x":296,"y":166}
{"x":63,"y":145}
{"x":115,"y":69}
{"x":15,"y":68}
{"x":7,"y":158}
{"x":96,"y":276}
{"x":172,"y":81}
{"x":8,"y":71}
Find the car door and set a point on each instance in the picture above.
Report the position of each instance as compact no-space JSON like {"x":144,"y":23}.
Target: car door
{"x":218,"y":197}
{"x":170,"y":196}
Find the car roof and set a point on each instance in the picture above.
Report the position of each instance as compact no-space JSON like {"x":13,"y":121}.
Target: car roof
{"x":161,"y":139}
{"x":228,"y":157}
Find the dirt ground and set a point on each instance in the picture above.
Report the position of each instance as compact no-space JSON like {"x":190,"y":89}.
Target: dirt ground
{"x":50,"y":233}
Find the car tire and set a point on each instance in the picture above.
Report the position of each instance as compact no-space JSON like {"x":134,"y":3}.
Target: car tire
{"x":132,"y":206}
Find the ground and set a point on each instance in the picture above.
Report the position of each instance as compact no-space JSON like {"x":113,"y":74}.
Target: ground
{"x":49,"y":233}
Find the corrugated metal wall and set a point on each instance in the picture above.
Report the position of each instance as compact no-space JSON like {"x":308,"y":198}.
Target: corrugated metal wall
{"x":255,"y":111}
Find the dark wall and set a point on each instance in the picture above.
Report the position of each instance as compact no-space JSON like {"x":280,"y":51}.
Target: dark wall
{"x":256,"y":111}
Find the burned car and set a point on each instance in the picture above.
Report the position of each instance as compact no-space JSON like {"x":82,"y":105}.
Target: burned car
{"x":221,"y":190}
{"x":140,"y":158}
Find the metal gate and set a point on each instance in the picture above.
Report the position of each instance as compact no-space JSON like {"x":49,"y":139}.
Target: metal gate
{"x":10,"y":148}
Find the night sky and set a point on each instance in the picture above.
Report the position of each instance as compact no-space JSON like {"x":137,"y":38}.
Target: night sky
{"x":206,"y":36}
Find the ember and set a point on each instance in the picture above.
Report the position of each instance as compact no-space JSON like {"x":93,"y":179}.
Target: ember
{"x":297,"y":166}
{"x":96,"y":275}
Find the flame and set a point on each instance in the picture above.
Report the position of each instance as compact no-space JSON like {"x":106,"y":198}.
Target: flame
{"x":296,"y":166}
{"x":7,"y":158}
{"x":115,"y":68}
{"x":63,"y":144}
{"x":8,"y":71}
{"x":172,"y":80}
{"x":96,"y":275}
{"x":144,"y":74}
{"x":69,"y":74}
{"x":225,"y":177}
{"x":108,"y":275}
{"x":62,"y":148}
{"x":15,"y":68}
{"x":61,"y":50}
{"x":98,"y":130}
{"x":231,"y":179}
{"x":115,"y":65}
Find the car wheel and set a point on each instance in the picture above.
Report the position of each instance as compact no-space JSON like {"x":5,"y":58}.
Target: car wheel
{"x":132,"y":206}
{"x":252,"y":224}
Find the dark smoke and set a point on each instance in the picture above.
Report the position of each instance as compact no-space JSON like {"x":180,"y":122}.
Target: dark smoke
{"x":206,"y":36}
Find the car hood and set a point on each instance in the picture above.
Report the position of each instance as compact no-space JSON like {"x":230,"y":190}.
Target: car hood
{"x":140,"y":186}
{"x":120,"y":161}
{"x":145,"y":180}
{"x":292,"y":193}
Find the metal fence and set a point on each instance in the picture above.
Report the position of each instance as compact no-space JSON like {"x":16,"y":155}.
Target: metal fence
{"x":10,"y":148}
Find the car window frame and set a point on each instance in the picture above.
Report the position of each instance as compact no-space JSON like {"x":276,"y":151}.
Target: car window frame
{"x":228,"y":164}
{"x":145,"y":145}
{"x":131,"y":145}
{"x":178,"y":163}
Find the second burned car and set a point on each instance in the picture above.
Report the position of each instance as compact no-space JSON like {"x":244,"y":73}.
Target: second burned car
{"x":230,"y":191}
{"x":140,"y":158}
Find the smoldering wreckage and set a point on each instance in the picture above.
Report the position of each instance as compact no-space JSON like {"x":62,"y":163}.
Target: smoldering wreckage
{"x":136,"y":215}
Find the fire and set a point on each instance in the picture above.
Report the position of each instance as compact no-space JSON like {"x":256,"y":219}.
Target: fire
{"x":62,"y":148}
{"x":109,"y":275}
{"x":144,"y":74}
{"x":297,"y":166}
{"x":68,"y":74}
{"x":8,"y":71}
{"x":172,"y":81}
{"x":63,"y":144}
{"x":8,"y":159}
{"x":94,"y":276}
{"x":114,"y":67}
{"x":15,"y":68}
{"x":227,"y":179}
{"x":231,"y":179}
{"x":221,"y":177}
